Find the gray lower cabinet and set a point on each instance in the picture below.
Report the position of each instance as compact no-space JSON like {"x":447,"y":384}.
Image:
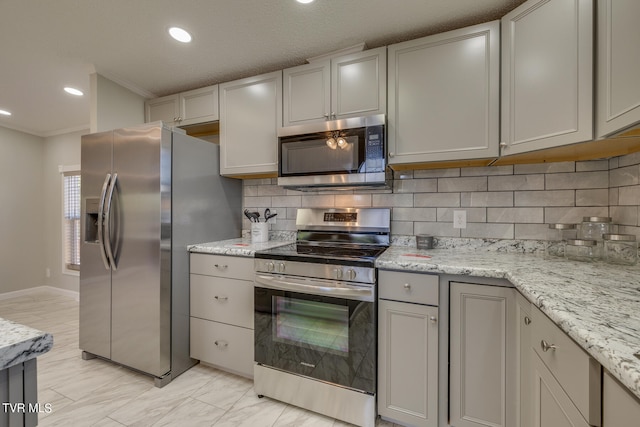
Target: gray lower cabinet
{"x":221,"y":299}
{"x":619,"y":407}
{"x":524,"y":355}
{"x":483,"y":370}
{"x":19,"y":396}
{"x":408,"y":348}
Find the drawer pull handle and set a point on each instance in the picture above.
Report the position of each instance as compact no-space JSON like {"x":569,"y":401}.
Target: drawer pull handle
{"x":546,"y":346}
{"x":220,"y":266}
{"x":221,"y":344}
{"x":527,"y":321}
{"x":219,"y":298}
{"x":433,"y":319}
{"x":407,"y":286}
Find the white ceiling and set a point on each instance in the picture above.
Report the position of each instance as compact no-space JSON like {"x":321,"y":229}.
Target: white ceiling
{"x":48,"y":44}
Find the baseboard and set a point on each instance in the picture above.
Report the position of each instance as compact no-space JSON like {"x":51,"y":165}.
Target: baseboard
{"x":40,"y":289}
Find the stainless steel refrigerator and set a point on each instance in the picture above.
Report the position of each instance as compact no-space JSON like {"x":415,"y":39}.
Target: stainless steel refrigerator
{"x":147,"y":193}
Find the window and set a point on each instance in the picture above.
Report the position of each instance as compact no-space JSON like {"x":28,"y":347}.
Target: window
{"x":71,"y":220}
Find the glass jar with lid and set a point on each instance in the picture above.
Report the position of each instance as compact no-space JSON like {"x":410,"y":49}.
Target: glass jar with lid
{"x":557,"y":236}
{"x":593,"y":227}
{"x":620,"y":249}
{"x":582,"y":250}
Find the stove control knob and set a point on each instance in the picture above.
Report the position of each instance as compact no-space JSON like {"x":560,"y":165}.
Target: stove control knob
{"x":281,"y":267}
{"x":270,"y":266}
{"x":351,"y":274}
{"x":338,"y":272}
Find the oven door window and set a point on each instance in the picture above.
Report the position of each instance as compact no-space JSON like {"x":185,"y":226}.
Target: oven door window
{"x":321,"y":154}
{"x":329,"y":339}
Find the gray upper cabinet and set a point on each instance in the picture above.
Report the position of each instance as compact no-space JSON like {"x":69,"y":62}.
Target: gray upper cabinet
{"x":186,"y":108}
{"x":347,"y":86}
{"x":444,"y":96}
{"x":547,"y":75}
{"x":618,"y":96}
{"x":250,"y":113}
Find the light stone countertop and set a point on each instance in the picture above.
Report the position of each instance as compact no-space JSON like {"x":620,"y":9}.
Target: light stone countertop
{"x":597,"y":304}
{"x":19,"y":343}
{"x":235,"y":247}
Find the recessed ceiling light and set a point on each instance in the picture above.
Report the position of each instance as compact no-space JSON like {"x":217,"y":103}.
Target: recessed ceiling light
{"x":5,"y":113}
{"x":304,"y":1}
{"x":73,"y":91}
{"x":180,"y":34}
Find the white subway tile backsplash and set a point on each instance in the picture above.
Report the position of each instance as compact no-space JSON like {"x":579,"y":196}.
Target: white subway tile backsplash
{"x":462,"y":184}
{"x":516,"y":182}
{"x":545,"y":198}
{"x":505,"y":202}
{"x":515,"y":215}
{"x":486,"y":199}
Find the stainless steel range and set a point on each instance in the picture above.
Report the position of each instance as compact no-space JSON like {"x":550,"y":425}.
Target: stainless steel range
{"x":315,"y":314}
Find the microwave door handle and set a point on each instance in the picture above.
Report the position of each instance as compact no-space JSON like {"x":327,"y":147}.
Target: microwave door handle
{"x":101,"y":239}
{"x":107,"y":221}
{"x":347,"y":292}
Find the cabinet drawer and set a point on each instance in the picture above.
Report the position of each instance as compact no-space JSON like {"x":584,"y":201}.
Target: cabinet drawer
{"x":408,"y":287}
{"x":223,"y":300}
{"x":222,"y":266}
{"x":576,"y":371}
{"x":226,"y":347}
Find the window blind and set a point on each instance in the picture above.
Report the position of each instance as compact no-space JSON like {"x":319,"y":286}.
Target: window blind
{"x":72,"y":220}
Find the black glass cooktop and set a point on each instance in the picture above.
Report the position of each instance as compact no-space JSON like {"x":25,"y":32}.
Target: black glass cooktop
{"x":343,"y":254}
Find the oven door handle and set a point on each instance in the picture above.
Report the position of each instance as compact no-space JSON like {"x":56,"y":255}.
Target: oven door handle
{"x":316,"y":287}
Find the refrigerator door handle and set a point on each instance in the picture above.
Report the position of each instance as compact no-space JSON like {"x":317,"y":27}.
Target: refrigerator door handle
{"x":107,"y":222}
{"x":101,"y":239}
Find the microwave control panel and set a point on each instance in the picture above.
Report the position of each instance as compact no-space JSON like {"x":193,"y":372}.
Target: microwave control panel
{"x":375,"y":149}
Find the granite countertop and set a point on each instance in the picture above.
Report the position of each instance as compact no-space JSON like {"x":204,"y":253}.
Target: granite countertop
{"x":19,"y":343}
{"x":597,"y":304}
{"x":235,"y":247}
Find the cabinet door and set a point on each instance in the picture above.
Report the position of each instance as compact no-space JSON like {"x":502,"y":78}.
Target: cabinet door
{"x":444,"y":95}
{"x":620,"y":408}
{"x":551,"y":405}
{"x":408,"y":363}
{"x":523,"y":370}
{"x":250,"y":113}
{"x":482,"y":344}
{"x":199,"y":105}
{"x":307,"y":93}
{"x":359,"y":84}
{"x":547,"y":77}
{"x":618,"y":85}
{"x":166,"y":108}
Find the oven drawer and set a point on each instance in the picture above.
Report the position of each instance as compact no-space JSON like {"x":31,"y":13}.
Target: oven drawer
{"x":225,"y":346}
{"x":408,"y":287}
{"x":223,"y":300}
{"x":222,"y":266}
{"x":576,"y":371}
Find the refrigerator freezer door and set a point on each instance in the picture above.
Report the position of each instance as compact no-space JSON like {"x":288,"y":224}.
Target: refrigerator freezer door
{"x":140,"y":237}
{"x":95,"y":276}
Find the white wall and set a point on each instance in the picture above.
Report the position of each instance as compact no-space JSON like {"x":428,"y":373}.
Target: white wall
{"x":113,"y":106}
{"x":61,"y":150}
{"x":23,"y":213}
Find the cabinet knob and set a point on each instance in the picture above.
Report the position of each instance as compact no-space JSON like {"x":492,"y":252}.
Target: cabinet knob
{"x":503,"y":144}
{"x":407,"y":286}
{"x":546,"y":346}
{"x":390,"y":153}
{"x":219,"y":298}
{"x":527,"y":321}
{"x":221,"y":344}
{"x":326,"y":116}
{"x":433,"y":319}
{"x":220,"y":266}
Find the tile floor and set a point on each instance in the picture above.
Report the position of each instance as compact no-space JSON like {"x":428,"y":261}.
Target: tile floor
{"x":98,"y":393}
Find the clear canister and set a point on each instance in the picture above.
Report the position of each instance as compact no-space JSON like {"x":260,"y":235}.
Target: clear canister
{"x":620,"y":249}
{"x":581,"y":250}
{"x":557,"y":237}
{"x":594,"y":227}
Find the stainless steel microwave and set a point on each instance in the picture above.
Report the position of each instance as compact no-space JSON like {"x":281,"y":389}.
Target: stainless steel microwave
{"x":337,"y":154}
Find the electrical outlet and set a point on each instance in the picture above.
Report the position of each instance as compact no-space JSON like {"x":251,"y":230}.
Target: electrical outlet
{"x":459,"y":219}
